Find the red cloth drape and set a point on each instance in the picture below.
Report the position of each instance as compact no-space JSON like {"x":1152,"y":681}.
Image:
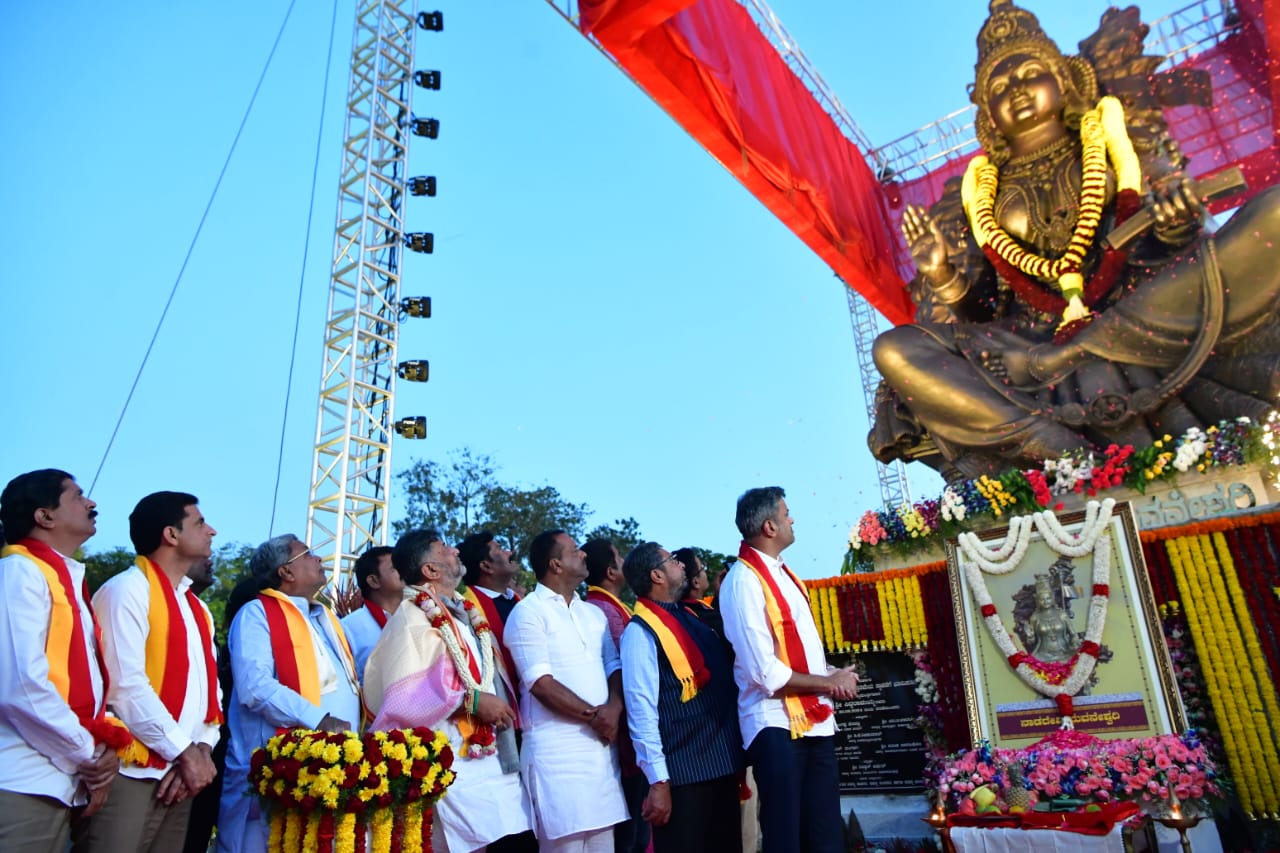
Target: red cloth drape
{"x":709,"y":66}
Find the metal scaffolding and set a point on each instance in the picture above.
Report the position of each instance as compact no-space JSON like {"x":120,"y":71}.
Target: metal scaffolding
{"x":352,"y":463}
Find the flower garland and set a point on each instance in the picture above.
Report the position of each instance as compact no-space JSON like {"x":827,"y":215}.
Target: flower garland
{"x":1058,"y":683}
{"x":1102,"y":134}
{"x":1229,"y":442}
{"x":479,"y":738}
{"x":318,"y":786}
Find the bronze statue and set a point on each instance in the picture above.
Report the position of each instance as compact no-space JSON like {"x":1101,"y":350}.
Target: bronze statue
{"x":1052,"y":637}
{"x":1032,"y":338}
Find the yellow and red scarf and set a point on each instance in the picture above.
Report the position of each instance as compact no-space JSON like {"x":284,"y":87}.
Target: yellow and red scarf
{"x":166,"y":650}
{"x":682,"y":652}
{"x":491,"y":615}
{"x":600,"y":595}
{"x":292,"y":648}
{"x":803,"y":710}
{"x":67,"y":650}
{"x":379,"y":615}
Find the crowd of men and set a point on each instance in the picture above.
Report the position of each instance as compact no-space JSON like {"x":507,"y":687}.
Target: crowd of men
{"x":577,"y":724}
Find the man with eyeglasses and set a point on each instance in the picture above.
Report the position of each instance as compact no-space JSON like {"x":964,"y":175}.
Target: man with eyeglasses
{"x":291,"y":667}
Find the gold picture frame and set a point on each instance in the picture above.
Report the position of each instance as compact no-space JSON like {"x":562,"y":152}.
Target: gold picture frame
{"x":1132,"y":692}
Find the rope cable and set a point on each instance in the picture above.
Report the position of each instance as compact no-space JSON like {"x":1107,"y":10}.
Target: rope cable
{"x":302,"y":275}
{"x":191,"y":248}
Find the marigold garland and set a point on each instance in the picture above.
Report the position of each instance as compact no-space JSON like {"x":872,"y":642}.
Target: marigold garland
{"x":314,"y":785}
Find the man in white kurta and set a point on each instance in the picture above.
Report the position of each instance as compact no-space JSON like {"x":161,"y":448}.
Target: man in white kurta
{"x":570,"y":702}
{"x":435,"y":666}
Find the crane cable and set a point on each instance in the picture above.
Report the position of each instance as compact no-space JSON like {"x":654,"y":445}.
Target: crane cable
{"x":191,"y":248}
{"x":302,"y":275}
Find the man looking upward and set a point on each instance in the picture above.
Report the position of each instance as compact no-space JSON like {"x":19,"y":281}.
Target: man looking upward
{"x":571,"y":699}
{"x":291,"y":667}
{"x":158,"y":641}
{"x":785,"y":685}
{"x":382,"y":589}
{"x":682,"y":711}
{"x":53,"y":736}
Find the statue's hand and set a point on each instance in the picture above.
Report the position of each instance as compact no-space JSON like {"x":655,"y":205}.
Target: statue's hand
{"x":928,"y":245}
{"x":1178,"y":211}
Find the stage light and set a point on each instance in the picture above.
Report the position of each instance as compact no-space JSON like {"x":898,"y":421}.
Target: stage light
{"x":423,"y":185}
{"x":433,"y":21}
{"x":420,"y":241}
{"x":415,"y":427}
{"x":415,"y":370}
{"x":428,"y":127}
{"x":427,"y":79}
{"x":416,"y":306}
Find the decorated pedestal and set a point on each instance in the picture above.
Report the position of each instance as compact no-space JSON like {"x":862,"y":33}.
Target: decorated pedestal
{"x":351,"y":793}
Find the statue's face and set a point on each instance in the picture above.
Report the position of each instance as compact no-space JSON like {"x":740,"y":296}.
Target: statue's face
{"x":1044,"y":598}
{"x":1022,"y":94}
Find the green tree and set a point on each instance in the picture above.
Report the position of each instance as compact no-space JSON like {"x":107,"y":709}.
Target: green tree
{"x":518,"y":515}
{"x":624,"y":533}
{"x":100,"y":567}
{"x":448,"y":498}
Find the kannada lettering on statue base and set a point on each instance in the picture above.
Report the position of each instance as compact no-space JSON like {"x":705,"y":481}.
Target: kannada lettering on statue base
{"x":1101,"y":716}
{"x":879,"y":748}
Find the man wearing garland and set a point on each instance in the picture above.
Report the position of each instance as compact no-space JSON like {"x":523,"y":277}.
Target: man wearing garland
{"x":785,"y":685}
{"x":490,"y":570}
{"x":382,"y":589}
{"x":677,"y":676}
{"x":158,"y":644}
{"x":605,"y":585}
{"x":570,"y":703}
{"x":291,"y":667}
{"x":436,"y":666}
{"x":57,"y":749}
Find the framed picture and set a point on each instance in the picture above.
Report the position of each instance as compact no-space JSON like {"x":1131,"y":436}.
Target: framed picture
{"x":1043,"y":600}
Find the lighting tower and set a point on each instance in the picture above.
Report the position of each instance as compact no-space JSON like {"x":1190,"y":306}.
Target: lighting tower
{"x":354,"y":426}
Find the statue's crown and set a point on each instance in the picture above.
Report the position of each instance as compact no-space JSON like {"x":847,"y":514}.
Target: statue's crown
{"x":1008,"y":30}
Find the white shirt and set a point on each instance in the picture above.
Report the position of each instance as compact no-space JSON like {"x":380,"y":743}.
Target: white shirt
{"x":362,"y":632}
{"x":123,"y":605}
{"x":639,"y":654}
{"x":757,"y":668}
{"x":41,"y":739}
{"x":562,"y":759}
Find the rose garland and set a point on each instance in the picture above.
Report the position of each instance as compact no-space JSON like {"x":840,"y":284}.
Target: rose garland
{"x":480,"y":740}
{"x":976,"y":558}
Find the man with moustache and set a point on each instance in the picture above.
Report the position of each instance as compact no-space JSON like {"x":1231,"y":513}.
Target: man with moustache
{"x":291,"y":668}
{"x":571,"y":699}
{"x":158,"y":640}
{"x":435,"y":666}
{"x":382,"y":589}
{"x":490,"y":570}
{"x":677,"y":677}
{"x":57,"y":751}
{"x":785,"y":685}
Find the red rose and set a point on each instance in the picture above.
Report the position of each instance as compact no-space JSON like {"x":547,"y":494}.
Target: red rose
{"x":446,"y":757}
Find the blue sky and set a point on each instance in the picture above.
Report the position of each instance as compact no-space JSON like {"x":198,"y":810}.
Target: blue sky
{"x":614,"y":315}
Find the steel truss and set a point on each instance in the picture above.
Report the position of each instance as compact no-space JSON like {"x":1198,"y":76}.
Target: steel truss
{"x":351,"y":476}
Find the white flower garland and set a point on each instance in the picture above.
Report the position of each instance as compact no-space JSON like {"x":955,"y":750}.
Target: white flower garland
{"x":1093,"y":536}
{"x":484,"y":637}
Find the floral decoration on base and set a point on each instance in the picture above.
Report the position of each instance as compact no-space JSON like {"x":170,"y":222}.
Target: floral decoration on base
{"x":351,"y":793}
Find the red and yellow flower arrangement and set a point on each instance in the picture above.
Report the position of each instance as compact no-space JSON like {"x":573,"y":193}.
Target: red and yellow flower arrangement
{"x":351,"y":793}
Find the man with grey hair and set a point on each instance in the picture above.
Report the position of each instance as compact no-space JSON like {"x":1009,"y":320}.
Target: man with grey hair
{"x":291,"y":667}
{"x":785,"y":686}
{"x":682,"y":706}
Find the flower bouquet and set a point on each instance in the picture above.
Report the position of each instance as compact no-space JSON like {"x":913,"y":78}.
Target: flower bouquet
{"x":1073,"y":771}
{"x":351,"y":793}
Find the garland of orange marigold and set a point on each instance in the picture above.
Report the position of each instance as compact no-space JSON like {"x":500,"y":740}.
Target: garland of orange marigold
{"x":1228,"y":671}
{"x":899,"y":601}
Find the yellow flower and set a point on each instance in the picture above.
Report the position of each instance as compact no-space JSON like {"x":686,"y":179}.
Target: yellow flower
{"x":352,"y":750}
{"x":331,"y":753}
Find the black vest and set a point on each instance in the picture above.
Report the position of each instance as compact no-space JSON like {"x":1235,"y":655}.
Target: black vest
{"x":701,"y":739}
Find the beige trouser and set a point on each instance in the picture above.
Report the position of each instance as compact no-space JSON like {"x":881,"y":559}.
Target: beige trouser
{"x":32,"y":824}
{"x":133,"y":819}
